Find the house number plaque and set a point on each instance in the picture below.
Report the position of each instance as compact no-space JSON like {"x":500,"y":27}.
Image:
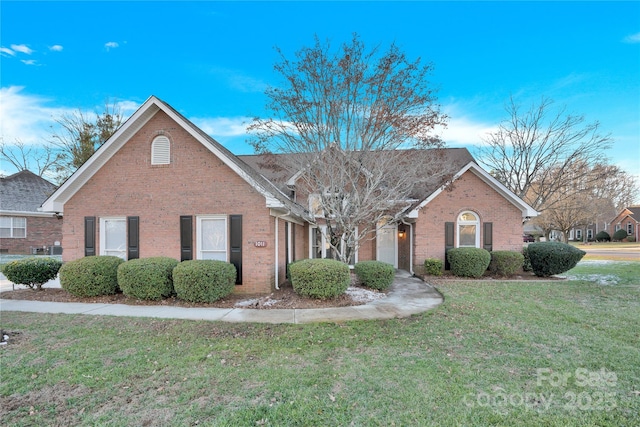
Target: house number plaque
{"x":260,"y":244}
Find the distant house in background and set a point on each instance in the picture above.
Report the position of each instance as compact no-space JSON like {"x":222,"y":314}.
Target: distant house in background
{"x":24,"y":229}
{"x":628,"y":220}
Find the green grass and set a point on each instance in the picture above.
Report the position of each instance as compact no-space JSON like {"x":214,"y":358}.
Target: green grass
{"x":494,"y":353}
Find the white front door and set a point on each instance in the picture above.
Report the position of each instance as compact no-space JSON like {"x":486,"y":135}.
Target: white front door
{"x":387,"y":243}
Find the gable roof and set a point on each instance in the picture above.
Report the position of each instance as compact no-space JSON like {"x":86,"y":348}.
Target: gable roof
{"x":274,"y":197}
{"x":24,"y":192}
{"x":527,"y":211}
{"x":632,"y":212}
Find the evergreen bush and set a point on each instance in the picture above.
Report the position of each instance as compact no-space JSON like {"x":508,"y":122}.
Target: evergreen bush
{"x":549,"y":258}
{"x":505,"y":263}
{"x":91,"y":276}
{"x":320,"y":278}
{"x":375,"y":274}
{"x":32,"y":272}
{"x":147,"y":278}
{"x":468,"y":262}
{"x":620,"y":235}
{"x":203,"y":280}
{"x":433,"y":266}
{"x":603,"y":236}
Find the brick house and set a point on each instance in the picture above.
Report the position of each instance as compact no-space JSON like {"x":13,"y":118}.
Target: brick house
{"x":161,"y":186}
{"x":23,"y":228}
{"x":629,"y":220}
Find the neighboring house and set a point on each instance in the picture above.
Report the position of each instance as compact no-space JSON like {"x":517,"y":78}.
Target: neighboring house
{"x":629,"y":220}
{"x":160,"y":186}
{"x":23,"y":228}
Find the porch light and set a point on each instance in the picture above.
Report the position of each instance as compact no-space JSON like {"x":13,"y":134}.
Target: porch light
{"x":401,"y":234}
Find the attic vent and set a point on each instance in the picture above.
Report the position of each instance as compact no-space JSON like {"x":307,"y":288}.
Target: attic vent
{"x":161,"y":151}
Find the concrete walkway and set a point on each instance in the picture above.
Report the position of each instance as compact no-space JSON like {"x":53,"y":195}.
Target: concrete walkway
{"x":408,"y":295}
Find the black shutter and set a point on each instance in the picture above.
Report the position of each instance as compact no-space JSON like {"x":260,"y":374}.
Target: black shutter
{"x":449,"y":228}
{"x":488,"y":236}
{"x":89,"y":235}
{"x":235,"y":244}
{"x":186,"y":237}
{"x":133,"y":237}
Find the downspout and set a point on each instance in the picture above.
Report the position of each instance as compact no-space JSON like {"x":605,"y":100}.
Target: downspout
{"x":410,"y":244}
{"x":277,"y":270}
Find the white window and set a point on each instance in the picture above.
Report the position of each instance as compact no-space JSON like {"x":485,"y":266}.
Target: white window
{"x":212,"y":237}
{"x":617,"y":227}
{"x":319,"y":246}
{"x":315,"y":205}
{"x":161,"y":151}
{"x":113,"y":237}
{"x":468,"y":230}
{"x":589,"y":234}
{"x":578,"y":234}
{"x":629,"y":228}
{"x":13,"y":228}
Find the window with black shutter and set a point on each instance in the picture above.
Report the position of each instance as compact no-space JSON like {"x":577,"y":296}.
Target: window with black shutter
{"x":186,"y":238}
{"x":235,"y":245}
{"x":89,"y":235}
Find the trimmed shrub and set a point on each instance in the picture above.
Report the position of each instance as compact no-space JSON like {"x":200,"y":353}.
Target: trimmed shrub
{"x":620,"y":235}
{"x":526,"y":264}
{"x":505,"y":263}
{"x":468,"y":262}
{"x":549,"y":258}
{"x":147,"y":278}
{"x":32,"y":272}
{"x":375,"y":274}
{"x":320,"y":278}
{"x":204,"y":280}
{"x":433,"y":266}
{"x":603,"y":236}
{"x":631,"y":239}
{"x":91,"y":276}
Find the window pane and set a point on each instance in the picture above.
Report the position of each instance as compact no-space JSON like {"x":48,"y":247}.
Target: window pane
{"x":5,"y":222}
{"x":467,"y":235}
{"x":220,"y":256}
{"x":19,"y":222}
{"x":214,"y":236}
{"x":467,"y":216}
{"x":316,"y":243}
{"x":5,"y":232}
{"x":19,"y":232}
{"x":115,"y":236}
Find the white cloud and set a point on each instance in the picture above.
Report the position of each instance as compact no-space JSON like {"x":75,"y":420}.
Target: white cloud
{"x":29,"y":61}
{"x":464,"y":130}
{"x":222,"y":126}
{"x":111,"y":45}
{"x":6,"y":51}
{"x":632,"y":38}
{"x":26,"y":117}
{"x":22,"y":48}
{"x":56,"y":48}
{"x":31,"y":118}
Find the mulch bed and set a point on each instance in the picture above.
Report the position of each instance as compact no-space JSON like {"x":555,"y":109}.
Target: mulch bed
{"x":285,"y":297}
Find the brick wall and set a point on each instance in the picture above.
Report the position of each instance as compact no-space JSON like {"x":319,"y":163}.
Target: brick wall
{"x":470,"y":193}
{"x":195,"y":183}
{"x":41,"y":231}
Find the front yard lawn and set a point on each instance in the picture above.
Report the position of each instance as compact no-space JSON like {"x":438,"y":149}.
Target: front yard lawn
{"x":554,"y":353}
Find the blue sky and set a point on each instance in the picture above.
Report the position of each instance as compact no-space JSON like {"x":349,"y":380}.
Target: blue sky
{"x":213,"y":60}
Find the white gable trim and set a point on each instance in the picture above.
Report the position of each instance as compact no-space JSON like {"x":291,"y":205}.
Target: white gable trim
{"x":527,"y":211}
{"x":55,"y":203}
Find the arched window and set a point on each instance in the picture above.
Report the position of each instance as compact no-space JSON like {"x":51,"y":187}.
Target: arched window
{"x":468,"y":230}
{"x":161,"y":150}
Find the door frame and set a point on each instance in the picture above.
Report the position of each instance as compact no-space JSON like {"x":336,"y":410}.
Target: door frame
{"x":394,"y":229}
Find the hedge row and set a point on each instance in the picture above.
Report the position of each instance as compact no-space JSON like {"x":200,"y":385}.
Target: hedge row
{"x":149,"y":278}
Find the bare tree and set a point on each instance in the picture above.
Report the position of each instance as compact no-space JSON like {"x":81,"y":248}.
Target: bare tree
{"x":347,"y":119}
{"x":534,"y":153}
{"x":80,"y":135}
{"x":42,"y":159}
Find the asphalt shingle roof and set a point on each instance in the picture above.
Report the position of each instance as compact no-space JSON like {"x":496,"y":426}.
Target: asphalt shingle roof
{"x":24,"y":192}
